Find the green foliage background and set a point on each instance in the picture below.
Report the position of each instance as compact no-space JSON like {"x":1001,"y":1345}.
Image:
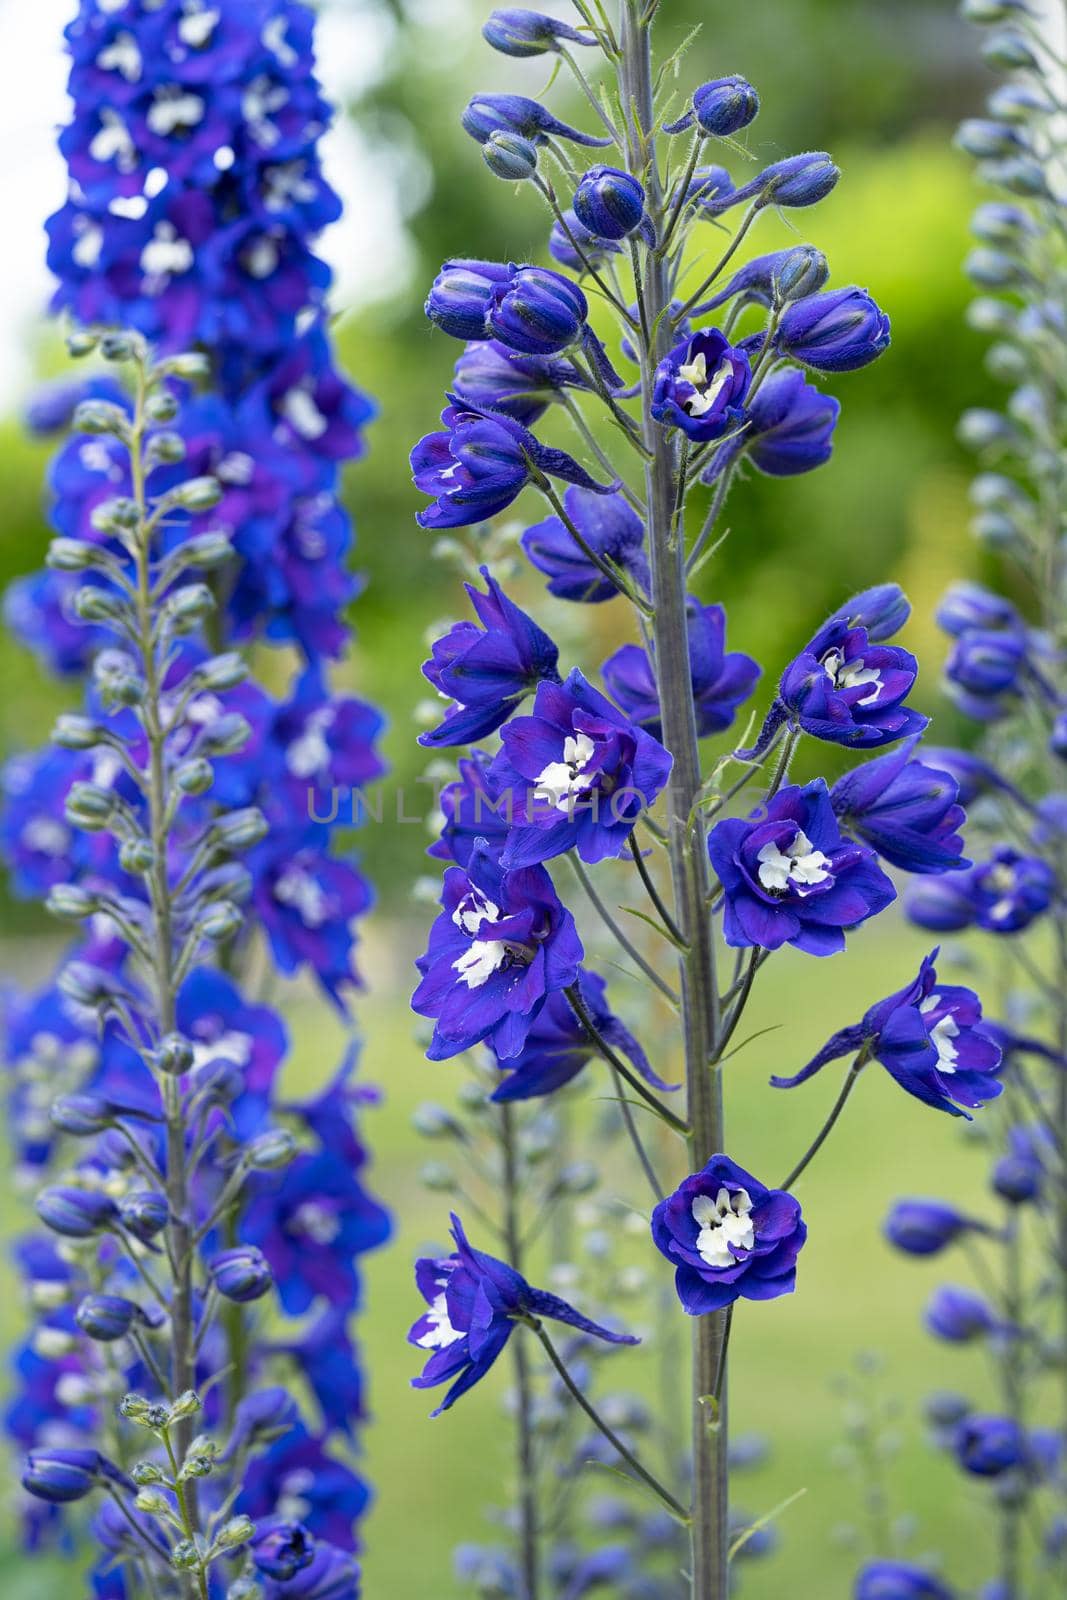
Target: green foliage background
{"x":880,"y":87}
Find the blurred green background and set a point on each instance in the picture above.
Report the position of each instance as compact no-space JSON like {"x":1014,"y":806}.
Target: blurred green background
{"x":881,"y":88}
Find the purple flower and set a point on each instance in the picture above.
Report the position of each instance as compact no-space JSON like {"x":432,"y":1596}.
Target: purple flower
{"x":904,"y":809}
{"x":516,"y":32}
{"x":536,"y":311}
{"x":579,"y":772}
{"x":929,"y":1038}
{"x":503,"y":943}
{"x":986,"y":672}
{"x":899,"y":1580}
{"x":966,"y":606}
{"x":839,"y":330}
{"x":610,"y":203}
{"x":958,"y":1315}
{"x":332,"y":1574}
{"x":474,"y":1302}
{"x":846,"y":690}
{"x":721,"y":108}
{"x":488,"y":376}
{"x":722,"y":680}
{"x":1002,"y":895}
{"x":459,"y":296}
{"x":701,"y":386}
{"x":473,"y":809}
{"x":989,"y":1446}
{"x":309,"y":905}
{"x":790,"y":425}
{"x":324,"y":1493}
{"x":790,"y":877}
{"x":487,"y":114}
{"x":487,"y":671}
{"x":480,"y":463}
{"x":729,"y":1238}
{"x":610,"y":527}
{"x":926,"y":1227}
{"x":281,"y":1548}
{"x":557,"y":1046}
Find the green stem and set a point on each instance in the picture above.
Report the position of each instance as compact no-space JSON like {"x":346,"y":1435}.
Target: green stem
{"x":529,"y":1520}
{"x":828,"y":1126}
{"x":618,"y":1065}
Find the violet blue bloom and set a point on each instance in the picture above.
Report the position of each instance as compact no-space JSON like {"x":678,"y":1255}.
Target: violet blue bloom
{"x":579,"y":774}
{"x":536,"y":311}
{"x":926,"y":1227}
{"x":791,"y":877}
{"x":489,"y":376}
{"x":487,"y":671}
{"x":906,"y":810}
{"x":486,"y":114}
{"x":459,"y":296}
{"x":790,"y":429}
{"x":966,"y":606}
{"x":570,"y":240}
{"x":609,"y":525}
{"x":899,"y":1580}
{"x":882,"y":610}
{"x":958,"y":1315}
{"x":475,"y":1303}
{"x":989,"y":1446}
{"x":728,"y":1237}
{"x":721,"y":108}
{"x":929,"y":1038}
{"x":722,"y":680}
{"x":501,"y":946}
{"x":839,"y":330}
{"x":701,"y":386}
{"x":516,"y":32}
{"x":473,"y":809}
{"x":1002,"y":895}
{"x":973,"y":776}
{"x":558,"y":1047}
{"x":986,"y":672}
{"x":480,"y":463}
{"x":846,"y":690}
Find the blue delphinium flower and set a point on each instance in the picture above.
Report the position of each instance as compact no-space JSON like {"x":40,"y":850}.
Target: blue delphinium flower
{"x":487,"y":671}
{"x":722,"y":679}
{"x":558,"y":1046}
{"x":929,"y":1038}
{"x":729,"y":1237}
{"x":789,"y":876}
{"x":959,"y":1315}
{"x":988,"y":1446}
{"x":472,"y":809}
{"x":986,"y":672}
{"x":517,"y":32}
{"x":475,"y":1302}
{"x":502,"y":944}
{"x":490,"y":375}
{"x":610,"y":527}
{"x":839,"y":330}
{"x":701,"y":386}
{"x":579,"y":774}
{"x":790,"y":426}
{"x":848,"y":690}
{"x":1002,"y":895}
{"x":721,"y":108}
{"x":926,"y":1227}
{"x":486,"y":114}
{"x":899,"y":1580}
{"x":480,"y":463}
{"x":907,"y":810}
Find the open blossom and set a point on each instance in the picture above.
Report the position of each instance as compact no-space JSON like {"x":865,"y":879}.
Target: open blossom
{"x":558,"y":1046}
{"x":1002,"y":895}
{"x":701,"y":386}
{"x":474,"y":1302}
{"x":472,"y":809}
{"x":848,"y":690}
{"x":579,"y":773}
{"x":722,"y":679}
{"x":929,"y":1038}
{"x":789,"y":875}
{"x":907,"y":810}
{"x":487,"y":671}
{"x":729,"y":1237}
{"x":503,"y":943}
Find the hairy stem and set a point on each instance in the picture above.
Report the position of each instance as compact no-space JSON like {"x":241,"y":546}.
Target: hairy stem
{"x":529,"y":1521}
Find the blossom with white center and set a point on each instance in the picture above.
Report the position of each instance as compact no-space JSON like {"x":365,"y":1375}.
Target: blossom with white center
{"x":261,"y":258}
{"x":474,"y":909}
{"x":166,"y":255}
{"x":942,"y":1034}
{"x":131,"y":206}
{"x":86,"y":249}
{"x":298,"y":889}
{"x":477,"y":965}
{"x":310,"y":753}
{"x":113,"y":141}
{"x":286,"y":183}
{"x":440,"y":1333}
{"x":123,"y":56}
{"x":45,"y":836}
{"x":196,"y":28}
{"x":852,"y":675}
{"x":801,"y":867}
{"x":301,"y":412}
{"x":171,"y":111}
{"x":562,"y":780}
{"x":723,"y":1222}
{"x":274,"y":37}
{"x":231,"y":1046}
{"x":317,"y":1222}
{"x":708,"y":390}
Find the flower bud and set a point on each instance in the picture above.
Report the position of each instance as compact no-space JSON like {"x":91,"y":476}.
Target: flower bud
{"x":145,"y":1413}
{"x":1006,"y":363}
{"x":1017,"y":1179}
{"x":1019,"y":102}
{"x":61,"y":1476}
{"x":1019,"y":175}
{"x":187,"y":1404}
{"x":997,"y":222}
{"x":966,"y":605}
{"x":209,"y":550}
{"x":438,"y":1178}
{"x":165,"y":449}
{"x":82,"y":1115}
{"x":147,"y":1473}
{"x":194,"y":776}
{"x":801,"y":180}
{"x":724,"y":106}
{"x":75,"y":732}
{"x":197,"y":494}
{"x":71,"y":902}
{"x":958,"y":1315}
{"x":75,"y":1213}
{"x":509,"y":156}
{"x":281,"y":1549}
{"x":241,"y":1274}
{"x":460,"y":294}
{"x":992,"y":269}
{"x":153,"y":1502}
{"x":89,"y":806}
{"x":1010,"y":51}
{"x":190,"y":365}
{"x":803,"y":272}
{"x":98,"y":605}
{"x":226,"y":734}
{"x":137,"y":856}
{"x":81,"y":344}
{"x":979,"y":429}
{"x":162,"y":406}
{"x":144,"y":1214}
{"x":839,"y":330}
{"x":985,"y":139}
{"x":609,"y":203}
{"x":188,"y":606}
{"x":222,"y":672}
{"x":882,"y":611}
{"x":989,"y":1446}
{"x":86,"y":985}
{"x":944,"y":1409}
{"x":516,"y":32}
{"x":537,"y":312}
{"x":236,"y":1532}
{"x":270,"y":1151}
{"x":115,"y":516}
{"x":70,"y":555}
{"x":100,"y":416}
{"x":105,"y":1317}
{"x":241,"y":829}
{"x":924,"y":1227}
{"x":187,"y":1556}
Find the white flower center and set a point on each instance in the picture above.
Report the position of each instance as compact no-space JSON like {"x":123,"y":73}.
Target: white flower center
{"x":261,"y":258}
{"x":723,"y":1222}
{"x":112,"y":142}
{"x":196,"y":28}
{"x":301,"y":412}
{"x":165,"y":255}
{"x":121,"y":55}
{"x":562,"y":780}
{"x":298,"y":889}
{"x":474,"y":909}
{"x":172,"y":110}
{"x":310,"y":753}
{"x":440,"y":1334}
{"x":941,"y":1036}
{"x":708,"y":390}
{"x":802,"y":867}
{"x":232,"y":1046}
{"x":852,"y":675}
{"x":477,"y":965}
{"x":316,"y":1222}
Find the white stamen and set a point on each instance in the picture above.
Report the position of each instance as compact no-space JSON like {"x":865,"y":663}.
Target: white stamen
{"x":165,"y":255}
{"x":477,"y":965}
{"x":708,"y":390}
{"x":562,"y":780}
{"x":171,"y":110}
{"x":723,"y":1222}
{"x":196,"y":28}
{"x":87,"y":247}
{"x":852,"y":675}
{"x":123,"y":56}
{"x":260,"y":258}
{"x":803,"y":865}
{"x":112,"y":142}
{"x":301,"y":412}
{"x":474,"y":909}
{"x":298,"y":889}
{"x":440,"y":1333}
{"x":310,"y":753}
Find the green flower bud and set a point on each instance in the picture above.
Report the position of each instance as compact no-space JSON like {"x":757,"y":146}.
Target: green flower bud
{"x":162,"y":406}
{"x":81,"y":344}
{"x":101,"y":416}
{"x":186,"y":1405}
{"x":195,"y":776}
{"x":220,"y":922}
{"x":137,"y":856}
{"x":154,"y":1502}
{"x":70,"y":555}
{"x":197,"y":494}
{"x":235,"y":1532}
{"x":71,"y":902}
{"x":269,"y":1151}
{"x":75,"y":732}
{"x":98,"y":605}
{"x":147,"y":1473}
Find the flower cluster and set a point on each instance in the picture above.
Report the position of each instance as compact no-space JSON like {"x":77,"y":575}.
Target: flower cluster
{"x":1005,"y":673}
{"x":560,"y":775}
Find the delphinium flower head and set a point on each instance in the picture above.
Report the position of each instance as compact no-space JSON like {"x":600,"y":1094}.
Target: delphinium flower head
{"x":907,"y":810}
{"x":899,"y":1580}
{"x":475,"y":1303}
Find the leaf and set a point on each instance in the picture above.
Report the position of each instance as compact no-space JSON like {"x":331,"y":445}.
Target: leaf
{"x":783,"y":1505}
{"x":773,"y":1028}
{"x":654,"y":922}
